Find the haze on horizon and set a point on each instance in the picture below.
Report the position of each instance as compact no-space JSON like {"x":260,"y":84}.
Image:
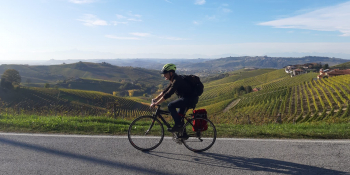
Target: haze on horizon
{"x":106,"y":29}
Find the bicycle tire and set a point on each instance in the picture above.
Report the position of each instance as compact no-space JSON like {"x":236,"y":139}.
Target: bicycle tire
{"x":208,"y":137}
{"x":137,"y":133}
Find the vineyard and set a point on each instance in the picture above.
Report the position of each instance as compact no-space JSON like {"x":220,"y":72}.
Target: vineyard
{"x":67,"y":102}
{"x":299,"y":99}
{"x":220,"y":93}
{"x":280,"y":98}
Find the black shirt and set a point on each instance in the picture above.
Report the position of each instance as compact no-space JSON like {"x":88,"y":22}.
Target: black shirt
{"x":179,"y":86}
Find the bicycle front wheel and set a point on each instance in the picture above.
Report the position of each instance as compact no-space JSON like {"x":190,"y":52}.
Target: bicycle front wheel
{"x":199,"y":140}
{"x":146,"y":133}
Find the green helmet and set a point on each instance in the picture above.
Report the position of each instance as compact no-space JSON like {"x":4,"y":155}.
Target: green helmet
{"x":168,"y":68}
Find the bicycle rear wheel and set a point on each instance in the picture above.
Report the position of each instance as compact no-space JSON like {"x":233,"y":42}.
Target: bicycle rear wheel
{"x":199,"y":141}
{"x":146,"y":133}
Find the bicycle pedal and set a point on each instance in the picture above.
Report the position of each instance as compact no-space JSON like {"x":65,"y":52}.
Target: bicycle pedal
{"x":176,"y":139}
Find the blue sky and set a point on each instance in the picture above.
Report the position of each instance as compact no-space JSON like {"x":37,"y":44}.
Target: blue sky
{"x":96,"y":29}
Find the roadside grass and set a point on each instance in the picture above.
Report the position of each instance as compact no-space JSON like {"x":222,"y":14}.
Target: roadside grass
{"x":314,"y":130}
{"x":110,"y":126}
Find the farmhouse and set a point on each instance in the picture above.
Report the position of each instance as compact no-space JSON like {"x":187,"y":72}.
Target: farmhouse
{"x":298,"y":69}
{"x":256,"y":89}
{"x":331,"y":73}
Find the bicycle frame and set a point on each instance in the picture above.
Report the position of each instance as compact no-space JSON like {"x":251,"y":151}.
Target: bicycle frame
{"x":158,"y":114}
{"x":186,"y":136}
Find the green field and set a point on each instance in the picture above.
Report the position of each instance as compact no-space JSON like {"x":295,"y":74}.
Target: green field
{"x":109,"y":126}
{"x":305,"y":107}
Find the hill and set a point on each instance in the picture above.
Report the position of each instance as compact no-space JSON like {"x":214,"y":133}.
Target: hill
{"x":103,"y":71}
{"x":220,"y":93}
{"x":295,"y":100}
{"x":69,"y":102}
{"x":89,"y":76}
{"x":342,"y":66}
{"x":235,"y":63}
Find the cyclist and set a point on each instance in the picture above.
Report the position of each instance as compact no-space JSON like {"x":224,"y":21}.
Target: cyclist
{"x":186,"y":97}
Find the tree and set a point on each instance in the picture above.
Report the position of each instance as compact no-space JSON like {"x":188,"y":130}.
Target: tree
{"x":47,"y":85}
{"x":248,"y":89}
{"x":325,"y":66}
{"x":131,"y":92}
{"x":12,"y":76}
{"x":6,"y":84}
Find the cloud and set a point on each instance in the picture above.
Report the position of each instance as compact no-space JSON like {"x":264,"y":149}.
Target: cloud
{"x":140,"y":34}
{"x":82,"y":1}
{"x":130,"y":17}
{"x":168,"y":1}
{"x":117,"y":23}
{"x":92,"y":20}
{"x":195,"y":22}
{"x":173,"y":38}
{"x":199,"y":2}
{"x":120,"y":16}
{"x":213,"y":17}
{"x":333,"y":18}
{"x":133,"y":19}
{"x":226,"y":10}
{"x":121,"y":38}
{"x":134,"y":15}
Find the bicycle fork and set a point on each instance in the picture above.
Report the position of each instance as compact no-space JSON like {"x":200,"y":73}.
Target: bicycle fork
{"x":150,"y":127}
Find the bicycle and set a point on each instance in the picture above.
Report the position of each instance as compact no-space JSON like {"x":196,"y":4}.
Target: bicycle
{"x":147,"y":132}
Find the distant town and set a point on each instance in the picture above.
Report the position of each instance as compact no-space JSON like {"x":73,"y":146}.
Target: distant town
{"x":324,"y":71}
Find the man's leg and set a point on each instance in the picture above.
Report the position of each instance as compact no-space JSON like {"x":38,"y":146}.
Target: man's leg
{"x":182,"y":113}
{"x":179,"y":103}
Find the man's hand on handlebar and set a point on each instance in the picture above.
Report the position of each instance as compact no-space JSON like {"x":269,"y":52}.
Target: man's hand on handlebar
{"x":153,"y":103}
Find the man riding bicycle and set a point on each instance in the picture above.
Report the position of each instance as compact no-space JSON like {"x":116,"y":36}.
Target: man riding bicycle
{"x":186,"y":98}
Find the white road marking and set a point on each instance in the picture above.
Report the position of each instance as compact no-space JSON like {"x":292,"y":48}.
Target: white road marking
{"x":221,"y":139}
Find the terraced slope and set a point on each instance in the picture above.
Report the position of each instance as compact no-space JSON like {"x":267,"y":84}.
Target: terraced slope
{"x":298,"y":100}
{"x":70,"y":102}
{"x":218,"y":94}
{"x":103,"y":71}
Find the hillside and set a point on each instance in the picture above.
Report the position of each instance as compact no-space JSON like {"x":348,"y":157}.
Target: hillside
{"x":69,"y":102}
{"x":220,"y":93}
{"x":342,"y":66}
{"x":103,"y":71}
{"x":234,"y":63}
{"x":297,"y":100}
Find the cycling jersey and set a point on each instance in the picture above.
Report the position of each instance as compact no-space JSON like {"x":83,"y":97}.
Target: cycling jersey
{"x":178,"y":86}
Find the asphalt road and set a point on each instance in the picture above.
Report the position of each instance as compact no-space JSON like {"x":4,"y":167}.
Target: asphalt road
{"x":74,"y":154}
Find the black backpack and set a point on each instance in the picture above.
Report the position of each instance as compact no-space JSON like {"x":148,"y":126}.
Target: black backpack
{"x":195,"y":83}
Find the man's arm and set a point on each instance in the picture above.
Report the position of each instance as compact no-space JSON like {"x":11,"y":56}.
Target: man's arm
{"x":158,"y":100}
{"x":159,"y":96}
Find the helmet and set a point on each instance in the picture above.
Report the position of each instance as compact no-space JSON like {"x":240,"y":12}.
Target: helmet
{"x":168,"y":68}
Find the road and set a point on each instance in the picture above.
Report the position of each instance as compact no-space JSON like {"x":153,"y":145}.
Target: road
{"x":79,"y":154}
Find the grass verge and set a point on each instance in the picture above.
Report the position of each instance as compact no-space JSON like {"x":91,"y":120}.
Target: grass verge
{"x":109,"y":126}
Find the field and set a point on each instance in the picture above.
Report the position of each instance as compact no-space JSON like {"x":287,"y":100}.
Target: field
{"x":110,"y":126}
{"x":219,"y":93}
{"x":295,"y":101}
{"x":68,"y":102}
{"x":320,"y":108}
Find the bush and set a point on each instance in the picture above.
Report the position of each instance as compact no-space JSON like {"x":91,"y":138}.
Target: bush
{"x":47,"y":85}
{"x":6,"y":84}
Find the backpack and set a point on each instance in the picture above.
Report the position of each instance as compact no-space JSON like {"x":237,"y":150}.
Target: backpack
{"x":199,"y":124}
{"x":195,"y":83}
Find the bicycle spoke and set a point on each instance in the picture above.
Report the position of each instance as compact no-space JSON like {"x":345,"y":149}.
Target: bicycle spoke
{"x":146,"y":133}
{"x":200,"y":140}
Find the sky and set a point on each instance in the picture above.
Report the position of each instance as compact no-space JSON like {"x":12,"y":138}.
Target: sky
{"x":109,"y":29}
